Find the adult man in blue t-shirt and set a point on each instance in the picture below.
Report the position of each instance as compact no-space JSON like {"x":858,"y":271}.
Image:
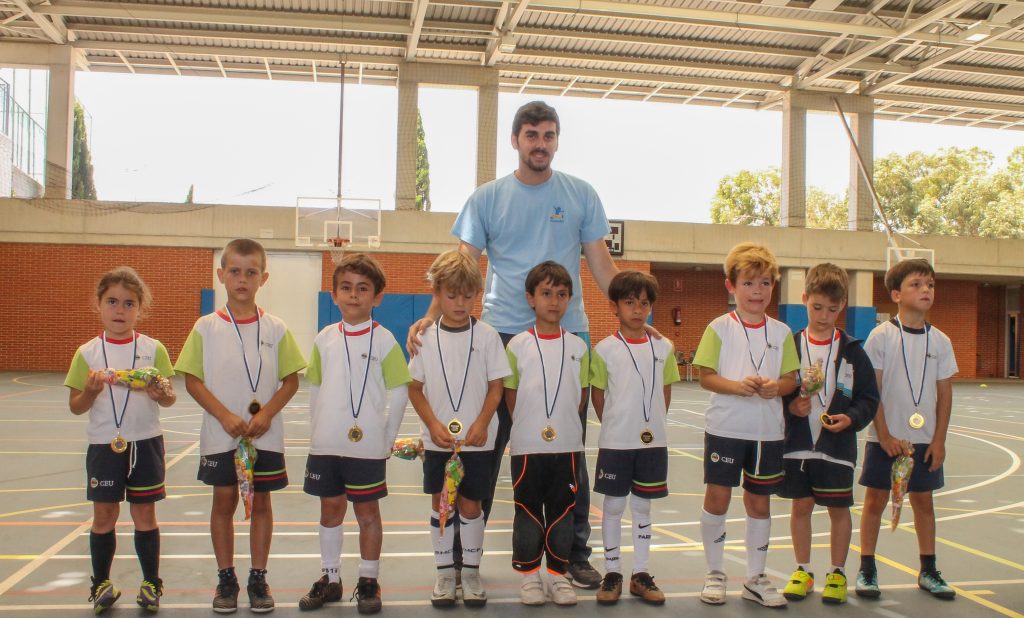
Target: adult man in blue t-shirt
{"x":532,"y":215}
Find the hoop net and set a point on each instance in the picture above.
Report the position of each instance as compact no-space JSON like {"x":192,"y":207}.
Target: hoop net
{"x":336,"y":247}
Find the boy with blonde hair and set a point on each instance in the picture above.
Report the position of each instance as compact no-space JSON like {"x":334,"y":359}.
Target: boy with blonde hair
{"x":241,"y":366}
{"x":835,"y":401}
{"x":456,"y":388}
{"x":748,"y":361}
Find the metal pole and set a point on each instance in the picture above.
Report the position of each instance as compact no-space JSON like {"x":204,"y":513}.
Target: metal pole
{"x":341,"y":129}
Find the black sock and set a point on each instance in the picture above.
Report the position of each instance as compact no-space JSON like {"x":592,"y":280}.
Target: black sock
{"x":102,"y":548}
{"x":228,"y":574}
{"x":147,"y":548}
{"x":867,"y":564}
{"x":928,"y":563}
{"x":257,"y":575}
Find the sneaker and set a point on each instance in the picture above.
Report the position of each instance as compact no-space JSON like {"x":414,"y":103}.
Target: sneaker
{"x":103,"y":595}
{"x":367,"y":595}
{"x":834,"y":591}
{"x":642,"y":585}
{"x":260,"y":601}
{"x":583,"y":575}
{"x":444,"y":590}
{"x":562,"y":592}
{"x":713,"y":592}
{"x":323,"y":591}
{"x":149,"y":595}
{"x":225,"y":601}
{"x":473,"y":593}
{"x":931,"y":581}
{"x":867,"y":585}
{"x":801,"y":584}
{"x":531,"y":592}
{"x":611,"y":588}
{"x":759,"y":589}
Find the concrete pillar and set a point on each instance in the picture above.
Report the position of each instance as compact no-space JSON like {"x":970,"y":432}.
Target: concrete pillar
{"x":794,"y":164}
{"x":486,"y":133}
{"x":405,"y":168}
{"x":791,"y":307}
{"x":861,"y":209}
{"x":860,"y":304}
{"x":60,"y":122}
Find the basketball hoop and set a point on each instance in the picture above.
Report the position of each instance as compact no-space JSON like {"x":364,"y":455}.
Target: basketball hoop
{"x":337,"y":246}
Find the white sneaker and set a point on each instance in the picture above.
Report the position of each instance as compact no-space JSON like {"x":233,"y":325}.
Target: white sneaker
{"x":531,"y":592}
{"x":760,"y":590}
{"x":562,"y":592}
{"x":714,"y":588}
{"x":444,"y":589}
{"x":473,"y":593}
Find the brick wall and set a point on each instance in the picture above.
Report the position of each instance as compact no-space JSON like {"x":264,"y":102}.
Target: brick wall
{"x":47,"y":298}
{"x":991,"y":342}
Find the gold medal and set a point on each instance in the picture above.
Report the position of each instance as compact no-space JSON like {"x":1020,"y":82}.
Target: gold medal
{"x":355,"y":434}
{"x":549,"y":434}
{"x":826,"y":419}
{"x":646,"y":436}
{"x":455,"y":427}
{"x":119,"y":444}
{"x":916,"y":421}
{"x":254,"y":407}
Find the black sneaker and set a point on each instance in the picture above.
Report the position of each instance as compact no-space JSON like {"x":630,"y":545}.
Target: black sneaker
{"x":260,"y":601}
{"x":323,"y":591}
{"x":582,"y":575}
{"x":367,"y":595}
{"x":225,"y":601}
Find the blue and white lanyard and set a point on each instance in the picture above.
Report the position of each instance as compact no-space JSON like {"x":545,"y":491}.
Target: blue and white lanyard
{"x":544,"y":373}
{"x":824,"y":368}
{"x":444,"y":372}
{"x":906,"y":366}
{"x":648,"y":405}
{"x":366,"y":372}
{"x":110,"y":388}
{"x":259,"y":370}
{"x":767,"y":346}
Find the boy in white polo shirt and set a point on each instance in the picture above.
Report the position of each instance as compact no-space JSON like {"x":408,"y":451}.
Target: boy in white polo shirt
{"x":358,"y":377}
{"x":748,"y":361}
{"x":631,"y":374}
{"x":241,"y":366}
{"x":456,"y":388}
{"x":550,"y":370}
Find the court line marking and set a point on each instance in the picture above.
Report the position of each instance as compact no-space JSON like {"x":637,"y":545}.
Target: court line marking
{"x":72,"y":536}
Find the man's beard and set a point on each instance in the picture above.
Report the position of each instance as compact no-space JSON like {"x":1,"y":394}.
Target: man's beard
{"x":533,"y":167}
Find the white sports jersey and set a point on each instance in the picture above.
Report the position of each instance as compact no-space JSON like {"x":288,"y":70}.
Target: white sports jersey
{"x":825,"y":352}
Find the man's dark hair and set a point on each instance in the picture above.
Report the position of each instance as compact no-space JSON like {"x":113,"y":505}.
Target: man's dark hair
{"x":631,"y":284}
{"x":904,"y":268}
{"x":535,"y":112}
{"x":548,"y":271}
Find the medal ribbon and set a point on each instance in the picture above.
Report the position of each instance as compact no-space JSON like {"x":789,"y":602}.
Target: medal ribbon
{"x":648,"y":406}
{"x":757,"y":365}
{"x":110,"y":388}
{"x":544,"y":372}
{"x":824,"y":367}
{"x":906,"y":366}
{"x":259,"y":370}
{"x":366,"y":372}
{"x":444,"y":372}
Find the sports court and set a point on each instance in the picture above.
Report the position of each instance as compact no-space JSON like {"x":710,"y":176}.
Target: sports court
{"x":44,"y":521}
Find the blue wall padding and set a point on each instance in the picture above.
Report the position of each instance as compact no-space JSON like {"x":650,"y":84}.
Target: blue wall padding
{"x":794,"y":315}
{"x":205,"y":301}
{"x":860,"y":321}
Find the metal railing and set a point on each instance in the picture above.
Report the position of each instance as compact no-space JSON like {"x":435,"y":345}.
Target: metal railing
{"x":28,"y":137}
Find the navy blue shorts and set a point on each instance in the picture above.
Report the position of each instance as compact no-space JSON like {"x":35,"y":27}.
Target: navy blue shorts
{"x":758,"y":464}
{"x":476,"y":484}
{"x":361,"y":480}
{"x":110,"y":480}
{"x":828,"y":482}
{"x":269,"y":473}
{"x":642,"y":471}
{"x":877,"y":473}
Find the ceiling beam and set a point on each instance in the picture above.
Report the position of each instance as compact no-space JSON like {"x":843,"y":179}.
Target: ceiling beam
{"x":51,"y":30}
{"x":419,"y":13}
{"x":174,"y":65}
{"x":504,"y":25}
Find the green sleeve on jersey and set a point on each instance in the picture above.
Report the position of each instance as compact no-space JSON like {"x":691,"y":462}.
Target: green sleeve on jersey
{"x":313,"y":371}
{"x":790,"y":361}
{"x":78,"y":374}
{"x":162,"y":361}
{"x":598,"y":371}
{"x":709,"y":350}
{"x":512,"y":381}
{"x":190,"y":360}
{"x":289,"y":356}
{"x":396,"y":371}
{"x":671,"y":374}
{"x":585,"y":368}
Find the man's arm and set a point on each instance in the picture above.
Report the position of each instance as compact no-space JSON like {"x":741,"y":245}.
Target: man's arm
{"x":412,"y":341}
{"x":600,"y":263}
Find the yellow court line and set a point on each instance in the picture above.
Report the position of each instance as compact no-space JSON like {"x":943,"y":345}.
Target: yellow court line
{"x":21,"y":393}
{"x":981,"y":554}
{"x":52,"y":507}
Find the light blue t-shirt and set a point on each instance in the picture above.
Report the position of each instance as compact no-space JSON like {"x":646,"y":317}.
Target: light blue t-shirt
{"x":520,"y":226}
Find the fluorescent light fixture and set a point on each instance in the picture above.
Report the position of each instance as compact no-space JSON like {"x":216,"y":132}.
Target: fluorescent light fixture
{"x":977,"y":32}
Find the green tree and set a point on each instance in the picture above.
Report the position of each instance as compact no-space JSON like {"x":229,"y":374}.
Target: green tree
{"x":190,"y":198}
{"x":422,"y":167}
{"x":82,"y":186}
{"x":755,"y":198}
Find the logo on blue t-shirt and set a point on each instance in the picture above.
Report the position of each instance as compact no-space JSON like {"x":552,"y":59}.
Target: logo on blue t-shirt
{"x":557,"y":215}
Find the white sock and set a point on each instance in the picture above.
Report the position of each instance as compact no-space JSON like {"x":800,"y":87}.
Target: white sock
{"x":369,"y":568}
{"x":330,"y":552}
{"x":641,"y":509}
{"x":611,"y":531}
{"x":712,"y":533}
{"x":442,"y":544}
{"x":472,"y":532}
{"x":758,"y":533}
{"x":805,"y":567}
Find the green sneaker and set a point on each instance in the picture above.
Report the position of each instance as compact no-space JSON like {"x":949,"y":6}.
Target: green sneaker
{"x":103,"y":595}
{"x":834,"y":591}
{"x":932,"y":582}
{"x":801,"y":584}
{"x":149,"y":595}
{"x":867,"y":585}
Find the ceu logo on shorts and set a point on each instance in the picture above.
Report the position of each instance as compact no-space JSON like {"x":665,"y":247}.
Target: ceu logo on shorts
{"x":557,"y":215}
{"x":209,"y":463}
{"x":94,"y":482}
{"x":715,"y":458}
